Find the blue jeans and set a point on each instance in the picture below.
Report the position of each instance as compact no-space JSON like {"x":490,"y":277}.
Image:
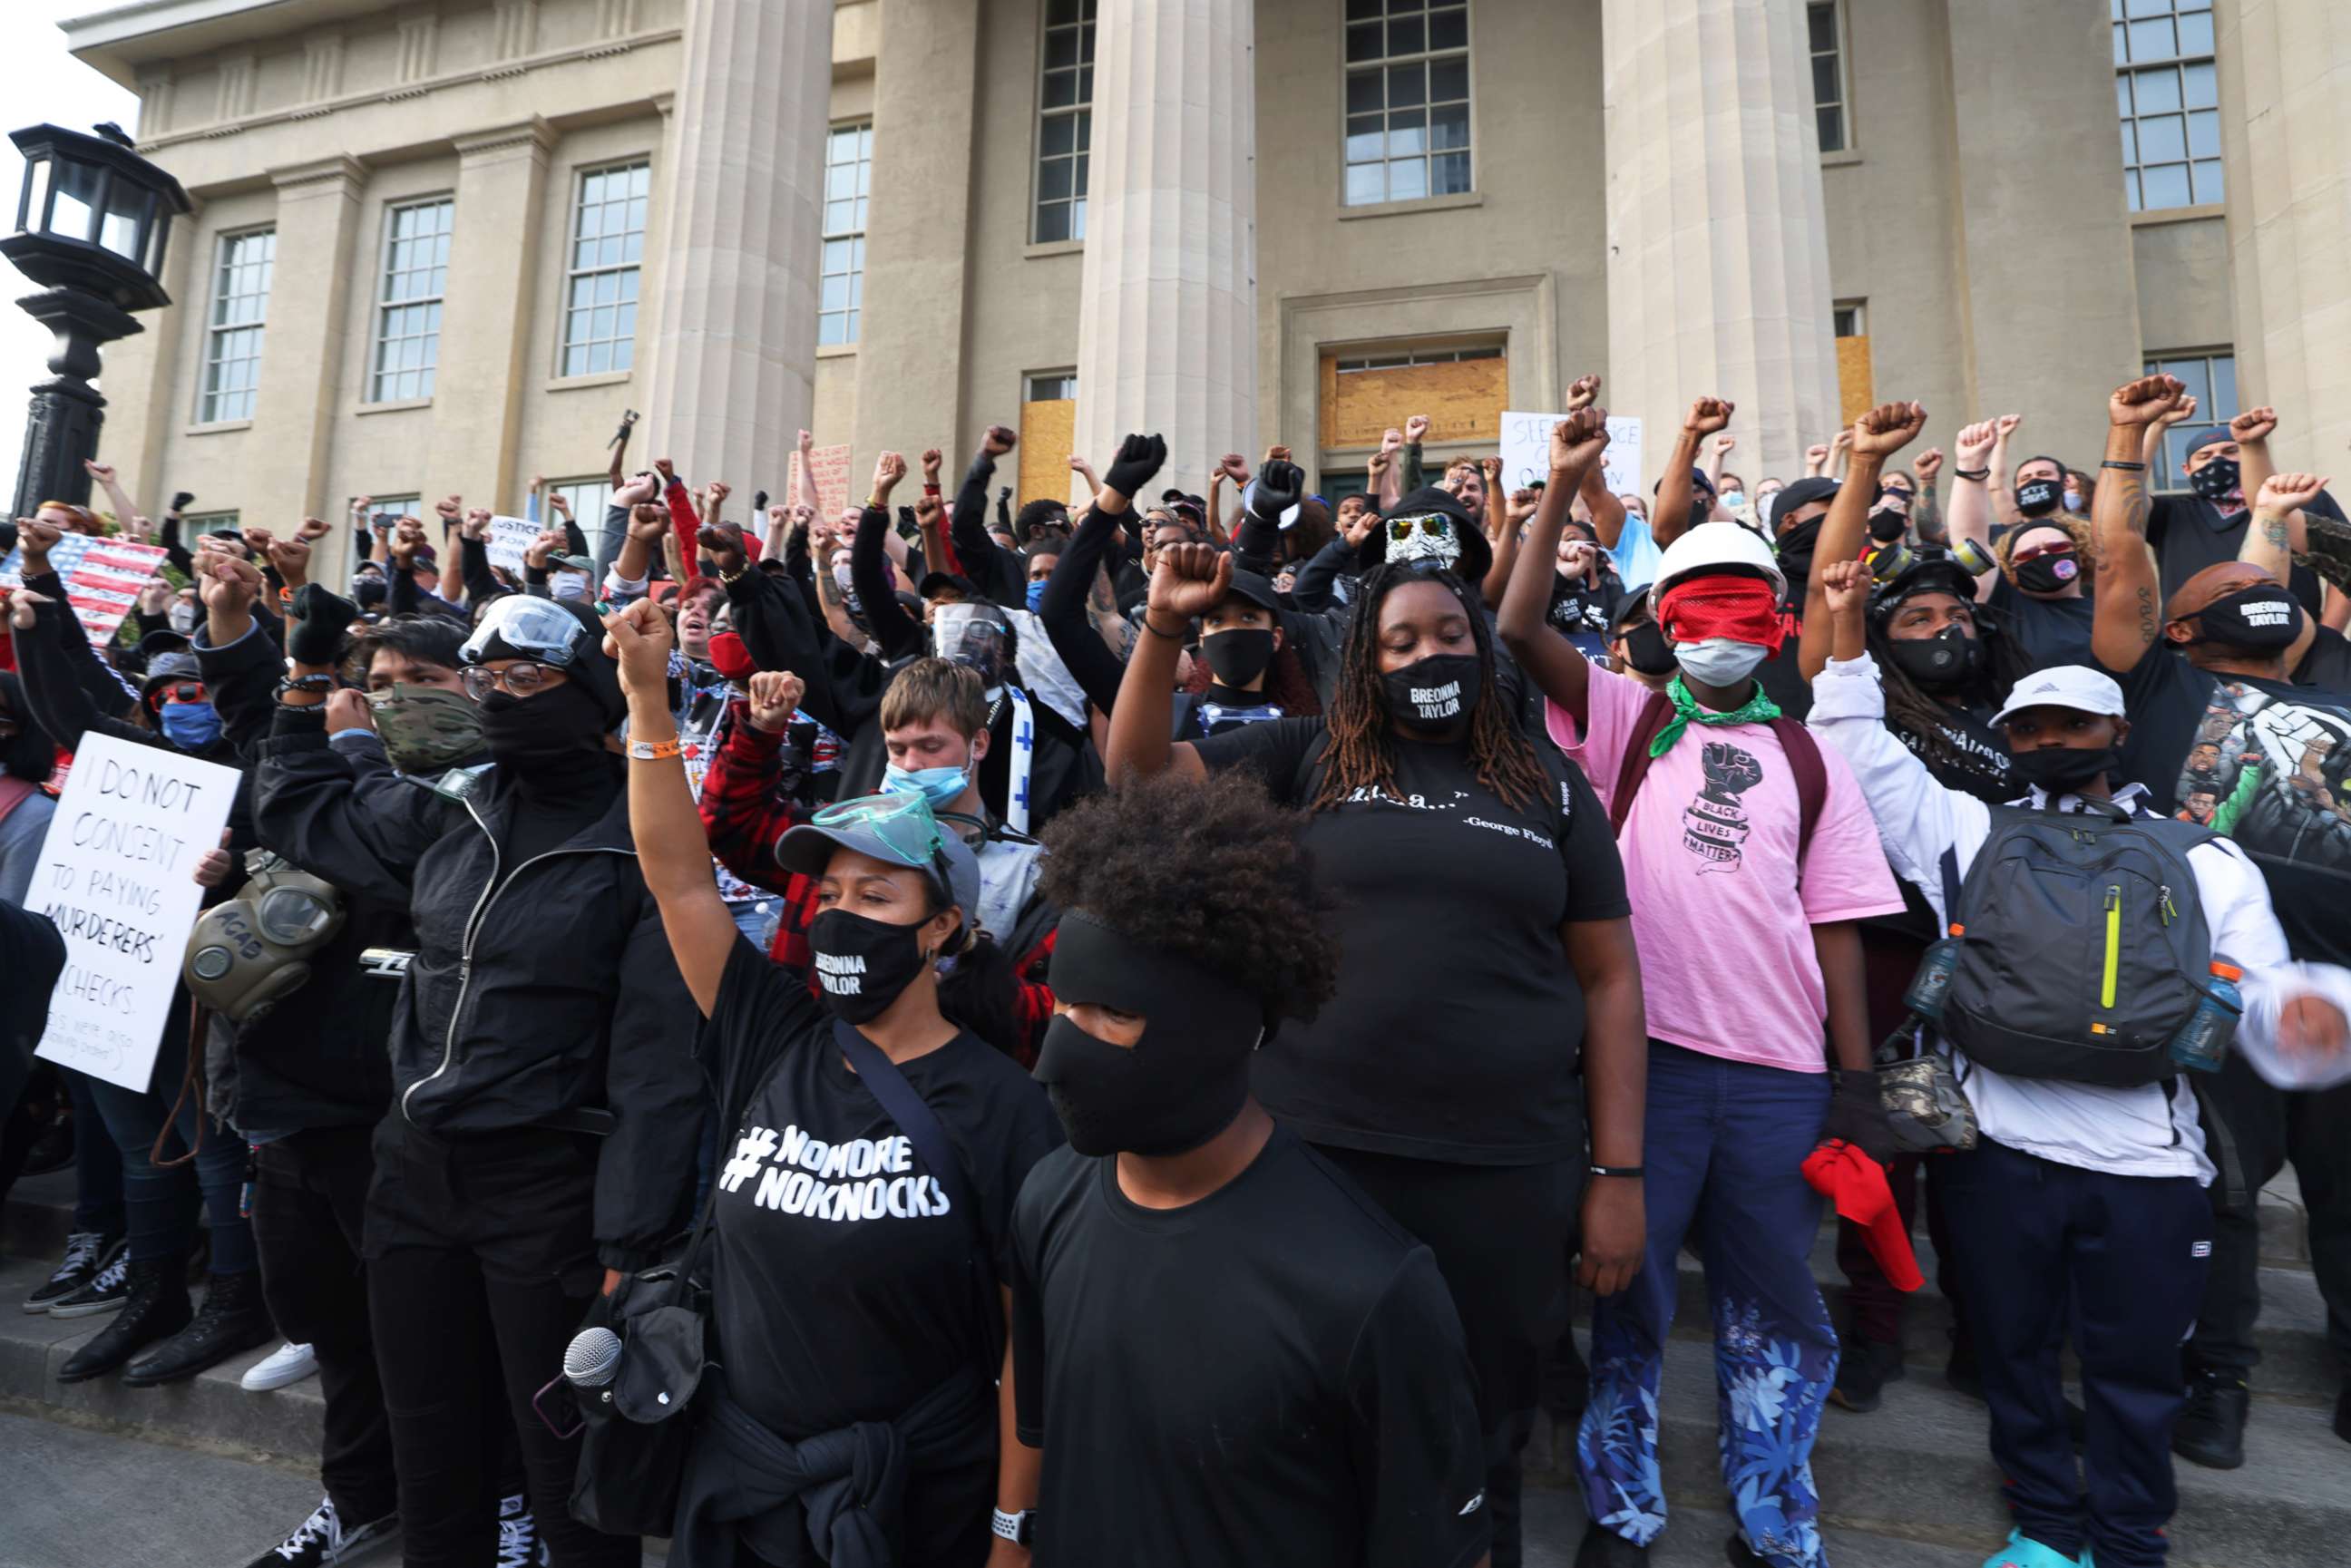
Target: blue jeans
{"x":1724,"y":1149}
{"x":161,"y":1203}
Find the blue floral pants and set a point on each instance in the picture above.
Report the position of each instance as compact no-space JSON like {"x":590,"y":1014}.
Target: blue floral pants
{"x":1724,"y":1149}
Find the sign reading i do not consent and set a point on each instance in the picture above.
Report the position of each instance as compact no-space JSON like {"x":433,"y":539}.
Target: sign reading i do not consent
{"x":117,"y":879}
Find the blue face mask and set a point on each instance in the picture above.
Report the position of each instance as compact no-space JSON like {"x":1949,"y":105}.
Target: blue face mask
{"x":191,"y":727}
{"x":1035,"y":595}
{"x":941,"y":787}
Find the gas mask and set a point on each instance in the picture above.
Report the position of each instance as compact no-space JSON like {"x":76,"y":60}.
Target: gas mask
{"x":248,"y":954}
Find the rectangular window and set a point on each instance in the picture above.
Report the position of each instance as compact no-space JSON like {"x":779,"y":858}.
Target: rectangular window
{"x":412,"y":277}
{"x":1364,"y":389}
{"x":2167,"y":94}
{"x":588,"y":498}
{"x":2210,"y":377}
{"x":241,"y":271}
{"x":390,"y":509}
{"x":848,"y":183}
{"x":1065,"y":121}
{"x":1850,"y":318}
{"x":599,"y":291}
{"x":1407,"y":99}
{"x":1856,"y":382}
{"x":1053,"y":386}
{"x":196,"y":523}
{"x":1824,"y":36}
{"x":1418,"y":357}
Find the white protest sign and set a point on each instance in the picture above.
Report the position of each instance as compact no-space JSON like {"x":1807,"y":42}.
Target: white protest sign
{"x":1526,"y":452}
{"x":116,"y":878}
{"x":510,"y":537}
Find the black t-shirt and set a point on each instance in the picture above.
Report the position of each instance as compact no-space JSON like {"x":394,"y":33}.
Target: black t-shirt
{"x":2190,"y":533}
{"x":1580,"y":611}
{"x":2266,"y":764}
{"x":841,"y":1286}
{"x":1456,"y":1026}
{"x":2327,"y":665}
{"x":2048,"y":631}
{"x":1274,"y":1374}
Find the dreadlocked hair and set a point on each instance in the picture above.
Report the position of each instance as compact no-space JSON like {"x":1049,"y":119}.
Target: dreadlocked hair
{"x":1360,"y":754}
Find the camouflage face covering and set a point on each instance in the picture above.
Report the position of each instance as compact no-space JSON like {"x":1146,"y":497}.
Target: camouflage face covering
{"x":425,"y":728}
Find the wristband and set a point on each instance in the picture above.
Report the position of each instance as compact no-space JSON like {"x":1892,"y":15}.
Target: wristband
{"x":1978,"y":475}
{"x":2125,"y":467}
{"x":655,"y":750}
{"x":319,"y":683}
{"x":1630,"y":1173}
{"x":1155,"y":632}
{"x":1018,"y":1528}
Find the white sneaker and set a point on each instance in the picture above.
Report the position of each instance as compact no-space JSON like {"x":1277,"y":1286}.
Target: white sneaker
{"x":289,"y":1363}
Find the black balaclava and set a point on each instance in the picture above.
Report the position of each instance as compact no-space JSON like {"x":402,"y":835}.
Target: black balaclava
{"x":1180,"y":1085}
{"x":1796,"y":544}
{"x":545,"y":737}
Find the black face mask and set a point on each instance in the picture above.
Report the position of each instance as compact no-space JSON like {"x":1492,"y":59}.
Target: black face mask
{"x":1887,"y":525}
{"x":2039,"y":498}
{"x":1241,"y":655}
{"x":1948,"y":660}
{"x":1435,"y":693}
{"x":1796,"y":546}
{"x":558,"y":730}
{"x":2216,"y":479}
{"x":2064,"y":770}
{"x":1180,"y":1085}
{"x":2262,"y":619}
{"x":1701,"y":510}
{"x":1646,"y":650}
{"x":863,"y":964}
{"x":2048,"y":573}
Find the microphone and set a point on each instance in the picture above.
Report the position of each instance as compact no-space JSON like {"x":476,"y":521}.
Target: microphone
{"x":591,"y":1358}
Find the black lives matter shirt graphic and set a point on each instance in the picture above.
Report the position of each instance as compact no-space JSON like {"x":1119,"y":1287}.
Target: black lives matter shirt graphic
{"x":1715,"y":825}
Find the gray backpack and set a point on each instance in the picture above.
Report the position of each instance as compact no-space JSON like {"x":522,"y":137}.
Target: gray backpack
{"x":2082,"y":945}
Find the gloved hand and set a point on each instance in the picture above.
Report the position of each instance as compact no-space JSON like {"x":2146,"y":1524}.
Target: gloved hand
{"x":1279,"y":484}
{"x":315,"y":635}
{"x":1857,"y":1115}
{"x":1139,"y":458}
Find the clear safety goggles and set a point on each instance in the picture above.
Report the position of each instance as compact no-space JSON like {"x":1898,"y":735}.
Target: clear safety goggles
{"x":530,"y":628}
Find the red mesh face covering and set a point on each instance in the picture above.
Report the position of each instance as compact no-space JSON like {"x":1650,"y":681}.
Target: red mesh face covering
{"x":1743,"y":609}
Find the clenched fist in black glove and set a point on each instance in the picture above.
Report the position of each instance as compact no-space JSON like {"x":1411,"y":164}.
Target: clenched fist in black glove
{"x":1139,"y":458}
{"x":314,"y":636}
{"x":1279,"y":486}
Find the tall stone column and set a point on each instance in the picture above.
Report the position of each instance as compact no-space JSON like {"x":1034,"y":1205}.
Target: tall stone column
{"x":485,"y":327}
{"x":734,"y":344}
{"x":1167,"y":307}
{"x":1718,"y":247}
{"x":2286,"y":118}
{"x":302,"y":388}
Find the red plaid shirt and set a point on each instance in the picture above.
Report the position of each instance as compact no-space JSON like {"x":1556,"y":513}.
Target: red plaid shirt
{"x":746,"y":817}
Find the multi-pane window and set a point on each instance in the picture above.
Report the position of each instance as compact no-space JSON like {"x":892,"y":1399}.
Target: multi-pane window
{"x":413,"y":275}
{"x":241,"y":269}
{"x":607,"y":248}
{"x":196,"y":523}
{"x":1407,"y":99}
{"x":1418,"y":357}
{"x":1824,"y":37}
{"x":587,"y":499}
{"x":1053,"y":386}
{"x":2167,"y":93}
{"x":2212,"y":380}
{"x":388,"y":509}
{"x":1064,"y":120}
{"x":848,"y":183}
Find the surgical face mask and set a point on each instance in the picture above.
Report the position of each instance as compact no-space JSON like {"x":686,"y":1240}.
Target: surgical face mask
{"x":1944,"y":662}
{"x":2064,"y":770}
{"x":2262,"y":619}
{"x":1035,"y":595}
{"x":1646,"y":650}
{"x":863,"y":964}
{"x":1241,"y":655}
{"x":2072,"y":500}
{"x":1177,"y":1086}
{"x":191,"y":727}
{"x":2039,"y":498}
{"x":1718,"y":661}
{"x":1435,"y":693}
{"x":569,"y":585}
{"x":183,"y":617}
{"x":1732,"y":500}
{"x":425,"y":728}
{"x":941,"y":787}
{"x":2216,"y":479}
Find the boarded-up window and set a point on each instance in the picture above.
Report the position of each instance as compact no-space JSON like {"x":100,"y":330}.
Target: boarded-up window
{"x":1048,"y":415}
{"x":1856,"y":394}
{"x":1462,"y":390}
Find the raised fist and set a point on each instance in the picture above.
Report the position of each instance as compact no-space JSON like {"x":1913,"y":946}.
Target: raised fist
{"x":101,"y":472}
{"x":648,"y":523}
{"x":639,"y":638}
{"x":2144,"y":401}
{"x":1927,"y":464}
{"x":775,"y":696}
{"x":2005,"y":425}
{"x":1582,"y":392}
{"x":1709,"y":414}
{"x":1000,"y":440}
{"x":1415,"y":428}
{"x":292,"y":559}
{"x":1576,"y":443}
{"x":1139,"y":457}
{"x":2289,"y":492}
{"x":1188,"y":581}
{"x":477,"y":525}
{"x":549,"y":541}
{"x":2253,"y":424}
{"x":1975,"y":443}
{"x":1889,"y":428}
{"x":229,"y":585}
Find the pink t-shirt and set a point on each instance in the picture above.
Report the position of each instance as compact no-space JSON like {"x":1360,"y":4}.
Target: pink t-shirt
{"x":1727,"y":964}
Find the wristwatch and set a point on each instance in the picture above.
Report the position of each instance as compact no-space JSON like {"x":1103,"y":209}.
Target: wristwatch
{"x":1020,"y":1529}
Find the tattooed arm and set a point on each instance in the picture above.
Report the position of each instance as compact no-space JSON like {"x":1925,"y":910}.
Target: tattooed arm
{"x":2128,"y":621}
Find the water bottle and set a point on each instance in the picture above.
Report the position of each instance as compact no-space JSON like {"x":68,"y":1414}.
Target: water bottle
{"x":1932,"y":983}
{"x":2202,"y":1042}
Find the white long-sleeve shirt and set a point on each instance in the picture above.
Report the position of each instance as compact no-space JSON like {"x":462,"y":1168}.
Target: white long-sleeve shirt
{"x":2150,"y":1130}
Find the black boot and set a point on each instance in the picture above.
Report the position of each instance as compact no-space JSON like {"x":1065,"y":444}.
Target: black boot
{"x":1865,"y":1367}
{"x":157,"y":1308}
{"x":2211,"y":1430}
{"x":1604,"y":1548}
{"x":231,"y":1321}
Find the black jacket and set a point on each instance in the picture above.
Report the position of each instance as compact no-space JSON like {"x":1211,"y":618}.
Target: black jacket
{"x":537,"y":991}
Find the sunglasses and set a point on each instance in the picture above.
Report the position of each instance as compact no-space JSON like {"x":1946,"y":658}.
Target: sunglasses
{"x":1436,"y":524}
{"x":2037,"y":551}
{"x":186,"y":692}
{"x":519,"y":679}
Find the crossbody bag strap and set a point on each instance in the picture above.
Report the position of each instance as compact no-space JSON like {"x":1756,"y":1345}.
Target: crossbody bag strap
{"x":1812,"y":776}
{"x":1634,"y":765}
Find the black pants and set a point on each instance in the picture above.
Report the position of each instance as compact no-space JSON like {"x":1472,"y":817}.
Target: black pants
{"x":1497,"y":1233}
{"x":2312,"y":1129}
{"x":480,"y":1266}
{"x":309,"y":1199}
{"x":1875,"y":1305}
{"x":2130,"y":1252}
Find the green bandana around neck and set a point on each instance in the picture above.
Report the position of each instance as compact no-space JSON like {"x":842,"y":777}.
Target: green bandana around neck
{"x":1756,"y":709}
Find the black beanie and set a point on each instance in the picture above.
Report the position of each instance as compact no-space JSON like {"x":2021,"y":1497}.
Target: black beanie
{"x":1477,"y":554}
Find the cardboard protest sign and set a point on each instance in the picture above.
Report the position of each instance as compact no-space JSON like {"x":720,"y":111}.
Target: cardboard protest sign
{"x":116,"y":878}
{"x":1526,"y":451}
{"x":830,"y":468}
{"x":102,"y":576}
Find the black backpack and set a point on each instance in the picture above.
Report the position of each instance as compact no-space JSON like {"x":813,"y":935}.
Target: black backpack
{"x":2082,"y":945}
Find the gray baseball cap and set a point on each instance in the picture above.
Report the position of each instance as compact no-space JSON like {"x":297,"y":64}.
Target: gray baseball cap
{"x":898,"y":830}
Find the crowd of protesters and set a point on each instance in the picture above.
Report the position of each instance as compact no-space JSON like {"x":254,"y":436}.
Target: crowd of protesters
{"x":1107,"y":1036}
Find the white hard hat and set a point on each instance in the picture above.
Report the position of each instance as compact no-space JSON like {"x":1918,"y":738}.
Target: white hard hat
{"x":1713,"y":546}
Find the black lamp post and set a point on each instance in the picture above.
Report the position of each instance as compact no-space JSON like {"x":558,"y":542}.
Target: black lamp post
{"x":91,"y":222}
